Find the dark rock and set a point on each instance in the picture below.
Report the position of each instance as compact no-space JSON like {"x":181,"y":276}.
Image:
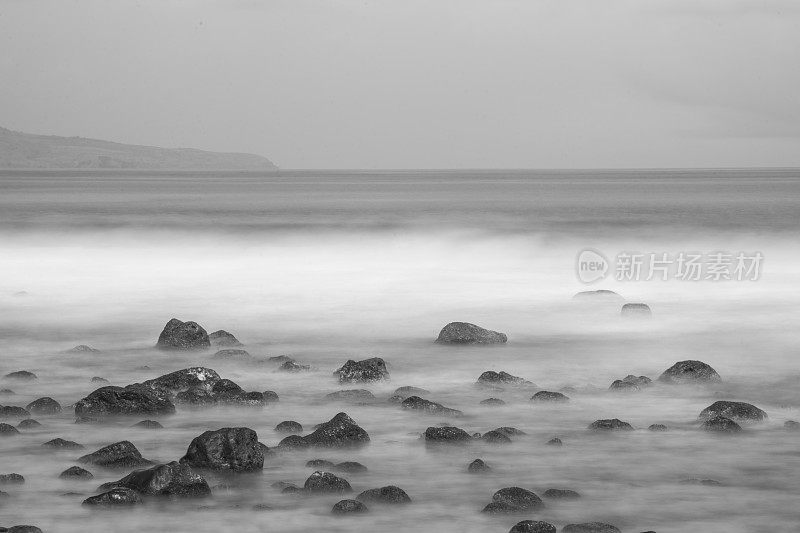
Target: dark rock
{"x":623,"y":386}
{"x":7,"y":430}
{"x":351,"y":396}
{"x":555,"y":441}
{"x":121,"y":454}
{"x":341,"y":431}
{"x":791,"y":425}
{"x":82,"y":348}
{"x":196,"y":396}
{"x":690,"y":372}
{"x":478,"y":467}
{"x":226,"y":391}
{"x":349,"y":507}
{"x":611,"y":424}
{"x":76,"y":472}
{"x":420,"y":404}
{"x":234,"y":449}
{"x":322,"y":482}
{"x":493,"y":402}
{"x":289,"y":426}
{"x":44,"y":406}
{"x":446,"y":435}
{"x":733,"y":410}
{"x":23,"y":529}
{"x":270,"y":396}
{"x":490,"y":377}
{"x":561,"y":494}
{"x":12,"y":411}
{"x":280,"y":359}
{"x":171,"y":479}
{"x":514,"y":500}
{"x":389,"y":495}
{"x":351,"y":467}
{"x":590,"y":527}
{"x":510,"y":431}
{"x":658,"y":427}
{"x":533,"y":526}
{"x":178,"y":335}
{"x":119,"y":496}
{"x":318,"y":464}
{"x":292,"y":367}
{"x":29,"y":423}
{"x":21,"y":375}
{"x":368,"y":370}
{"x":131,"y":400}
{"x":185,"y":379}
{"x":407,"y":391}
{"x":636,"y":310}
{"x":148,"y":424}
{"x":232,"y":353}
{"x":98,"y":379}
{"x":549,"y":396}
{"x":640,"y":381}
{"x":11,"y":479}
{"x":223,"y":338}
{"x":495,"y":437}
{"x":466,"y":333}
{"x":721,"y":424}
{"x":62,"y":444}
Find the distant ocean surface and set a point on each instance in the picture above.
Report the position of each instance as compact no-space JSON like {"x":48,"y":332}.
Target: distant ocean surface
{"x":331,"y":265}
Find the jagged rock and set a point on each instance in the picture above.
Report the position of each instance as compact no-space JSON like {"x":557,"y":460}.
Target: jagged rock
{"x":223,"y":338}
{"x":289,"y":426}
{"x":490,"y":377}
{"x":532,"y":526}
{"x":76,"y":472}
{"x":610,"y":424}
{"x":493,"y":402}
{"x":389,"y":494}
{"x":658,"y":427}
{"x":318,"y":464}
{"x":28,"y":423}
{"x":514,"y":500}
{"x":62,"y":444}
{"x":232,"y":353}
{"x":791,"y":425}
{"x":368,"y":370}
{"x":721,"y":424}
{"x":561,"y":494}
{"x":495,"y":437}
{"x":11,"y":479}
{"x":119,"y":496}
{"x":7,"y":430}
{"x":734,"y":410}
{"x":549,"y":396}
{"x":341,"y":431}
{"x":179,"y":335}
{"x":349,"y":507}
{"x":478,"y":467}
{"x":171,"y":479}
{"x":420,"y":404}
{"x":234,"y":449}
{"x":148,"y":424}
{"x":466,"y":333}
{"x":131,"y":400}
{"x":292,"y":367}
{"x":322,"y":482}
{"x":555,"y":441}
{"x":446,"y":435}
{"x":44,"y":406}
{"x":590,"y":527}
{"x":121,"y":454}
{"x":690,"y":372}
{"x":12,"y":411}
{"x":82,"y":348}
{"x":183,"y":380}
{"x":21,"y":375}
{"x":637,"y":310}
{"x":351,"y":396}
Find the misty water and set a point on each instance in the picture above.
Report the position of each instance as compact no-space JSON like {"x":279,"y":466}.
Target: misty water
{"x":327,"y":267}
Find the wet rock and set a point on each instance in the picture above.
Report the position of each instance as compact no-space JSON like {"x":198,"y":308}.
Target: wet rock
{"x":131,"y":400}
{"x":721,"y":424}
{"x":121,"y":454}
{"x":420,"y":404}
{"x":349,"y":507}
{"x":179,"y":335}
{"x":171,"y":479}
{"x":389,"y":495}
{"x":351,"y":467}
{"x":698,"y":481}
{"x":739,"y":411}
{"x":59,"y":443}
{"x":82,"y":348}
{"x":590,"y":527}
{"x":555,"y":441}
{"x":115,"y":497}
{"x":446,"y":435}
{"x":561,"y":494}
{"x":12,"y":411}
{"x":11,"y":479}
{"x":610,"y":424}
{"x":351,"y":396}
{"x":7,"y":430}
{"x":270,"y":396}
{"x":320,"y":464}
{"x":658,"y":427}
{"x":639,"y":381}
{"x":182,"y":380}
{"x":292,"y":367}
{"x":690,"y":372}
{"x":533,"y":526}
{"x":280,"y":359}
{"x":148,"y":424}
{"x":76,"y":472}
{"x":324,"y":482}
{"x":514,"y":500}
{"x":623,"y":386}
{"x":341,"y":431}
{"x":549,"y":396}
{"x":44,"y":406}
{"x":28,"y":423}
{"x":490,"y":377}
{"x":791,"y":425}
{"x":196,"y":396}
{"x":98,"y":379}
{"x":636,"y":310}
{"x":232,"y":354}
{"x":367,"y":370}
{"x":478,"y":466}
{"x":495,"y":437}
{"x":289,"y":426}
{"x":223,"y":338}
{"x":20,"y":375}
{"x":234,"y":449}
{"x":466,"y":333}
{"x":226,"y":391}
{"x":493,"y":402}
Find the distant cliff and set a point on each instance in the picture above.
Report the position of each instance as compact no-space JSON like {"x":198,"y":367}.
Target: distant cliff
{"x":23,"y":150}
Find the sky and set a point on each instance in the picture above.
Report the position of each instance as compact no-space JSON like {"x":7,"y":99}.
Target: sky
{"x":415,"y":84}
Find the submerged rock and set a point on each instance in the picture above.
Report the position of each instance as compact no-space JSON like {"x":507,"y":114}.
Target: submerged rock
{"x":289,"y":426}
{"x":446,"y":435}
{"x":514,"y":500}
{"x":721,"y":424}
{"x":791,"y":425}
{"x":495,"y":437}
{"x":561,"y":494}
{"x":98,"y":379}
{"x":292,"y":367}
{"x":478,"y":466}
{"x":148,"y":424}
{"x":610,"y":424}
{"x":11,"y":479}
{"x":636,"y":310}
{"x":318,"y":464}
{"x":179,"y":335}
{"x":420,"y":404}
{"x":12,"y":411}
{"x":23,"y":529}
{"x":549,"y":396}
{"x":7,"y":430}
{"x":324,"y":482}
{"x":407,"y":391}
{"x":29,"y":423}
{"x":620,"y":385}
{"x":352,"y":396}
{"x":590,"y":527}
{"x":44,"y":406}
{"x":349,"y":507}
{"x":466,"y":333}
{"x":390,"y":495}
{"x":734,"y":410}
{"x":21,"y":375}
{"x":62,"y":444}
{"x":231,"y":353}
{"x":76,"y":472}
{"x":279,"y":359}
{"x":351,"y":467}
{"x":171,"y":479}
{"x":115,"y":497}
{"x":82,"y":348}
{"x":341,"y":431}
{"x":555,"y":441}
{"x":533,"y":526}
{"x":131,"y":400}
{"x":234,"y":449}
{"x":368,"y":370}
{"x":658,"y":427}
{"x":690,"y":372}
{"x":492,"y":402}
{"x":510,"y":431}
{"x":698,"y":481}
{"x":121,"y":454}
{"x":490,"y":377}
{"x":223,"y":338}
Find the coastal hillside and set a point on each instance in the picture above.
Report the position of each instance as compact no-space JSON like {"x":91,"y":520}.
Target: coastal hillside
{"x":23,"y":150}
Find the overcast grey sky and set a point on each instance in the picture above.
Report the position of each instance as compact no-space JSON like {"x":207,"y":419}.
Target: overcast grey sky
{"x":415,"y":84}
